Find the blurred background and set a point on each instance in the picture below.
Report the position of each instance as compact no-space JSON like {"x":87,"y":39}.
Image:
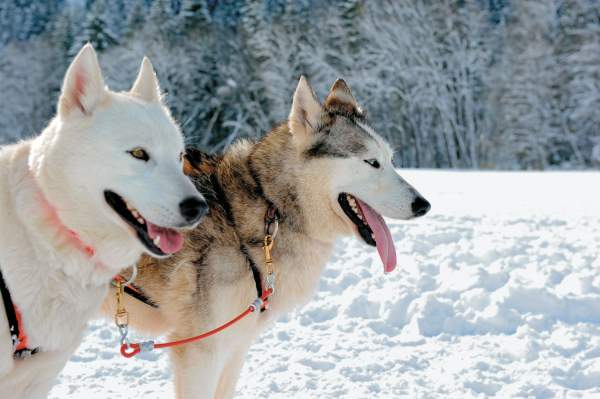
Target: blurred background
{"x":482,"y":84}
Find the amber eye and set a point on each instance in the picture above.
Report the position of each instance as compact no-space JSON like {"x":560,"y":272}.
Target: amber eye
{"x":139,"y":153}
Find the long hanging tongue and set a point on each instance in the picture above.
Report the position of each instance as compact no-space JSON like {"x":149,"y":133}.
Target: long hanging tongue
{"x":170,"y":240}
{"x":383,"y":237}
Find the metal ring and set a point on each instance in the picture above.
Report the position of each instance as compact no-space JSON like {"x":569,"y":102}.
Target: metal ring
{"x":133,"y":275}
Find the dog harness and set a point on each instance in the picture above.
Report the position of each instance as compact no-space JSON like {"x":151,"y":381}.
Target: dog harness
{"x":272,"y":218}
{"x":15,"y":324}
{"x":260,"y":304}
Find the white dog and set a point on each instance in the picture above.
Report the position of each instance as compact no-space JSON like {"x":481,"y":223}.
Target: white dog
{"x":101,"y":185}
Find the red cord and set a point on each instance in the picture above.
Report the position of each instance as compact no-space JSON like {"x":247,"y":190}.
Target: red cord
{"x":131,"y":350}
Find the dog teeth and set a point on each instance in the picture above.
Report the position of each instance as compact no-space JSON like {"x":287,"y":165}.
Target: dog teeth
{"x":157,"y":241}
{"x":135,"y":213}
{"x":140,"y":220}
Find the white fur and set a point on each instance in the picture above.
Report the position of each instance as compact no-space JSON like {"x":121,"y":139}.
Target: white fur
{"x":82,"y":152}
{"x":382,"y":188}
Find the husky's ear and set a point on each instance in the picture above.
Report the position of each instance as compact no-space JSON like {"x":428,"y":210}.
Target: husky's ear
{"x":83,"y":87}
{"x":197,"y":163}
{"x":306,"y":109}
{"x":340,"y":99}
{"x":146,"y":84}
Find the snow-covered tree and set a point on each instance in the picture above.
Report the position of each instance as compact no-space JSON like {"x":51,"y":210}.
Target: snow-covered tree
{"x":578,"y":52}
{"x":96,"y":30}
{"x":450,"y":83}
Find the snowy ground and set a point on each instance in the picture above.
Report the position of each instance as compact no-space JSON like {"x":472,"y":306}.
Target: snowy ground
{"x":497,"y":294}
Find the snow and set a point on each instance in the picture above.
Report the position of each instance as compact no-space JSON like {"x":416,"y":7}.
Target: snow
{"x":496,"y":294}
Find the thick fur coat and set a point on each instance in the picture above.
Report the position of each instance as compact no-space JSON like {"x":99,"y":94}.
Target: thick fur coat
{"x":301,"y":167}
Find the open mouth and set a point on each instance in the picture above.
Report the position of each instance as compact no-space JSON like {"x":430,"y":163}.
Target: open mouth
{"x":160,"y":241}
{"x":371,"y":227}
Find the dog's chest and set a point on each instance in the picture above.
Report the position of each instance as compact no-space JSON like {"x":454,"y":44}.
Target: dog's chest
{"x":298,"y":270}
{"x":54,"y":305}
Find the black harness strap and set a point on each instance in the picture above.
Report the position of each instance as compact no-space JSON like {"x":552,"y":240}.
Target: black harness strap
{"x":9,"y":309}
{"x":255,"y":272}
{"x":135,"y":292}
{"x":13,"y":322}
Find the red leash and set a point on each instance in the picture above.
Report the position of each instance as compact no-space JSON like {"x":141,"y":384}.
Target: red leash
{"x":129,"y":350}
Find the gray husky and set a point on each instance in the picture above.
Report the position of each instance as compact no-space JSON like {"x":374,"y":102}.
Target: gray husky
{"x":323,"y":174}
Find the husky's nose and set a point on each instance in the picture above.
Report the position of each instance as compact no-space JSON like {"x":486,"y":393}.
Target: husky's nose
{"x":420,"y":206}
{"x":192,"y":209}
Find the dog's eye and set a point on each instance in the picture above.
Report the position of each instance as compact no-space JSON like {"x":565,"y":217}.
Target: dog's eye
{"x":181,"y":156}
{"x":373,"y":162}
{"x":139,"y":153}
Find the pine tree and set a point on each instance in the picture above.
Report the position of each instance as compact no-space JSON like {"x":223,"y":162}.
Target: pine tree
{"x":115,"y":15}
{"x":137,"y":17}
{"x":63,"y":32}
{"x":160,"y":20}
{"x":95,"y":30}
{"x":195,"y":14}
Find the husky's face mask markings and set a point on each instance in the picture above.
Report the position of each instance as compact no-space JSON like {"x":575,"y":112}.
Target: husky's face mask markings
{"x":363,"y":183}
{"x":138,"y":182}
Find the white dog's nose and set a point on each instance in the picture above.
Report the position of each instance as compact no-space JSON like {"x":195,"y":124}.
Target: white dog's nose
{"x":193,"y":209}
{"x":420,"y":206}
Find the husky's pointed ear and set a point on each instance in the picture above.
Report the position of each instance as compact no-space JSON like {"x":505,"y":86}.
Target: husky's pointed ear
{"x":197,"y":163}
{"x":306,"y":109}
{"x":340,"y":99}
{"x":83,"y":87}
{"x":146,"y":84}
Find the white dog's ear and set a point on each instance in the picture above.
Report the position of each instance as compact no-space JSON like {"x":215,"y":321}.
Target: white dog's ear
{"x":146,"y":85}
{"x":83,"y":87}
{"x":340,"y":99}
{"x":306,"y":109}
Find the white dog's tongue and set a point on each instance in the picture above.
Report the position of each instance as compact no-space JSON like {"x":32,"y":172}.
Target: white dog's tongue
{"x":170,"y":240}
{"x":383,"y":237}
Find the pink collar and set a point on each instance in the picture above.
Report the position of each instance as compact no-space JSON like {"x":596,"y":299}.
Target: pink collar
{"x":71,"y":236}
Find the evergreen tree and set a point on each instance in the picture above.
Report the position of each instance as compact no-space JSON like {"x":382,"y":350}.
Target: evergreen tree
{"x":195,"y":13}
{"x":137,"y":17}
{"x":96,"y":30}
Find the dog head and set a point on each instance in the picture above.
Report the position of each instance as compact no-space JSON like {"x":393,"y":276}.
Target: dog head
{"x":353,"y":167}
{"x":112,"y":163}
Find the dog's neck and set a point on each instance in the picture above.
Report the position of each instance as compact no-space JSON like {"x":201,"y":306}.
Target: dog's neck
{"x":272,"y":163}
{"x":63,"y":234}
{"x":270,"y":172}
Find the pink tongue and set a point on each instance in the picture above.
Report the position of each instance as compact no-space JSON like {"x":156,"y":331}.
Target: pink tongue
{"x":383,"y":237}
{"x":170,"y":240}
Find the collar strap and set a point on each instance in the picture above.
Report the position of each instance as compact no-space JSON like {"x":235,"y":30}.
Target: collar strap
{"x":51,"y":215}
{"x":15,"y":324}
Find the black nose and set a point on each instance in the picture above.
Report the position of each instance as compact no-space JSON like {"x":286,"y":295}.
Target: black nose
{"x":420,"y":206}
{"x":192,"y":209}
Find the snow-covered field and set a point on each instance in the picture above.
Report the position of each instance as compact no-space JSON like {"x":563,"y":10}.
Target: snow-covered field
{"x":496,"y":294}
